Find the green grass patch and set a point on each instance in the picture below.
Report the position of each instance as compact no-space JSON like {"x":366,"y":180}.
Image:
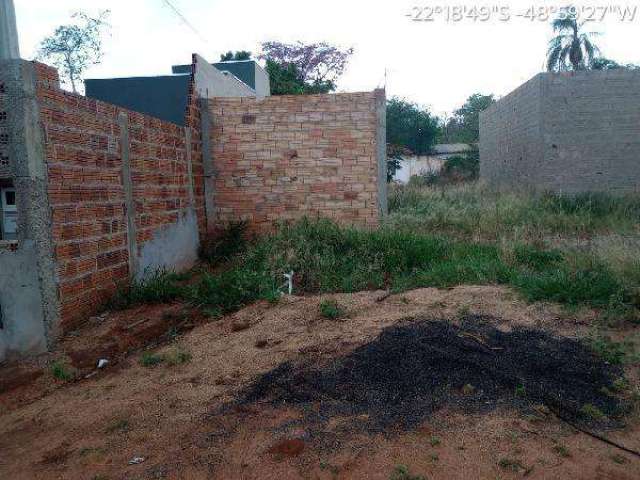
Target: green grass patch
{"x":327,"y":258}
{"x":616,"y":353}
{"x":61,"y":371}
{"x":177,"y":356}
{"x":159,"y":287}
{"x":401,"y":472}
{"x":150,"y":359}
{"x":591,"y":412}
{"x":331,"y":309}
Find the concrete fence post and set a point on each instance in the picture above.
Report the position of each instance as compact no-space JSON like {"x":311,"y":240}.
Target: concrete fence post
{"x":127,"y":185}
{"x":28,"y":280}
{"x":9,"y":46}
{"x":207,"y":163}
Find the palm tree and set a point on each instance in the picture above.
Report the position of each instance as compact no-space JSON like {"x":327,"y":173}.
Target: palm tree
{"x":570,"y":49}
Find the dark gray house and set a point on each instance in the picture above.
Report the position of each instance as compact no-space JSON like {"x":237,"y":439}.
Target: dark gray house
{"x":165,"y":96}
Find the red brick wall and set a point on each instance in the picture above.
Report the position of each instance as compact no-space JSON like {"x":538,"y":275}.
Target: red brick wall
{"x":86,"y":193}
{"x":283,"y":157}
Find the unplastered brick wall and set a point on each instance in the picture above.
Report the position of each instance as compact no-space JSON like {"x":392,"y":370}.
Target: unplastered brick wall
{"x":92,"y":150}
{"x":284,"y":157}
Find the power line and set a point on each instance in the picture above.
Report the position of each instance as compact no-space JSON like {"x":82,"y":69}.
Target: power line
{"x":184,"y":20}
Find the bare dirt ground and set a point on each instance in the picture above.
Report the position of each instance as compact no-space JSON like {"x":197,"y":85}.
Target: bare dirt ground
{"x":169,"y":417}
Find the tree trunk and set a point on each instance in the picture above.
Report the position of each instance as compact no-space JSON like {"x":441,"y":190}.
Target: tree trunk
{"x":72,"y":75}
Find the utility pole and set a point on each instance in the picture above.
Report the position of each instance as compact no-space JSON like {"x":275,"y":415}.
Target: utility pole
{"x":9,"y":47}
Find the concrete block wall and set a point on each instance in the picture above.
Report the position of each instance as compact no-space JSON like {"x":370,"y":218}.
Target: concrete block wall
{"x":568,"y":133}
{"x":284,"y":157}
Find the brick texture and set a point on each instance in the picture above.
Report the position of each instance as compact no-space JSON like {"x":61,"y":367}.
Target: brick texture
{"x":86,"y":193}
{"x":277,"y":158}
{"x":567,"y":133}
{"x":5,"y":170}
{"x":284,"y":157}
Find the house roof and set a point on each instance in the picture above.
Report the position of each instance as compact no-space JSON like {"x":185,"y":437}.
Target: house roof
{"x":442,"y":148}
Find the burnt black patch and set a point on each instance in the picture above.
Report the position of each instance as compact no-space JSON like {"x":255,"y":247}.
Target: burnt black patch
{"x":411,"y":371}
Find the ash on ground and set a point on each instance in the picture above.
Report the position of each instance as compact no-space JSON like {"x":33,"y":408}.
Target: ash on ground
{"x":412,"y":370}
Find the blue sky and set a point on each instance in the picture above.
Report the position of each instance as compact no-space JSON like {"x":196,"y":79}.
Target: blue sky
{"x":436,"y":63}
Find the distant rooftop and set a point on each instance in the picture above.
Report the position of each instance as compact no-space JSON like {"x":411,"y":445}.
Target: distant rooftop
{"x":245,"y":70}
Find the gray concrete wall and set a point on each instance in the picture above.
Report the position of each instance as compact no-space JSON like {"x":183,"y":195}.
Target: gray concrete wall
{"x":263,"y":85}
{"x":22,"y":329}
{"x":511,"y":136}
{"x":566,"y":133}
{"x":211,"y":82}
{"x":173,"y":247}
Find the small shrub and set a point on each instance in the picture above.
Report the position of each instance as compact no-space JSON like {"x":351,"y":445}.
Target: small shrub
{"x":621,"y":385}
{"x":468,"y":389}
{"x":177,"y":356}
{"x":159,"y":287}
{"x":150,"y":359}
{"x":510,"y":464}
{"x":592,"y":412}
{"x":401,"y":472}
{"x":226,"y":243}
{"x":520,"y":391}
{"x":118,"y":425}
{"x":461,"y":168}
{"x":435,"y":441}
{"x":561,"y":450}
{"x":611,"y":351}
{"x":619,"y":459}
{"x":61,"y":371}
{"x":330,"y":309}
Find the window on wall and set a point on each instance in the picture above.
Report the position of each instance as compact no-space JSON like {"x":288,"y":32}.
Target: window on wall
{"x":8,"y":211}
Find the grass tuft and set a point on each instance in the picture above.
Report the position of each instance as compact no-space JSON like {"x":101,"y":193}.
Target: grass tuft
{"x":159,"y":287}
{"x":401,"y":472}
{"x":61,"y":371}
{"x":331,"y":309}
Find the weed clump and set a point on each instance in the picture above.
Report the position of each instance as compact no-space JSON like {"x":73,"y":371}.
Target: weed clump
{"x":226,"y":243}
{"x":331,"y":309}
{"x":401,"y":472}
{"x":159,"y":287}
{"x":176,"y":356}
{"x":61,"y":371}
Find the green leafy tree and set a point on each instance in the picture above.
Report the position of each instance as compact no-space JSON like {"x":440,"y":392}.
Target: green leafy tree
{"x":571,"y":48}
{"x":464,"y":125}
{"x":75,"y":47}
{"x":410,"y":130}
{"x":285,"y":79}
{"x":603,"y":63}
{"x":239,"y":55}
{"x":298,"y":68}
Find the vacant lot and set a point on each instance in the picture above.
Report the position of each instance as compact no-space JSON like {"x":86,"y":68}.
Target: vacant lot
{"x":474,"y":335}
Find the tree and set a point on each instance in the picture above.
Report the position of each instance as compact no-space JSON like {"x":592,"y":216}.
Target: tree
{"x":239,"y":55}
{"x":570,"y":49}
{"x":410,"y":130}
{"x":464,"y":125}
{"x":298,"y":68}
{"x":286,"y":80}
{"x":603,"y":63}
{"x":75,"y":47}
